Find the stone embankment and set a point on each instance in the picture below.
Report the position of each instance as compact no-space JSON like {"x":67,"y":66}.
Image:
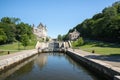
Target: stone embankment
{"x":108,"y":71}
{"x":9,"y":60}
{"x":8,"y":72}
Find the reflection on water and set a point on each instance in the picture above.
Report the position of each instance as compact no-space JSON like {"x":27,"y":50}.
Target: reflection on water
{"x":41,"y":60}
{"x":51,"y":66}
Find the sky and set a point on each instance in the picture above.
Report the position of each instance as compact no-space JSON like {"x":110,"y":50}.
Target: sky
{"x":58,"y":15}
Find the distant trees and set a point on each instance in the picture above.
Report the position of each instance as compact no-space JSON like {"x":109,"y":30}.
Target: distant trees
{"x":59,"y":38}
{"x":11,"y":30}
{"x":103,"y":26}
{"x":62,"y":37}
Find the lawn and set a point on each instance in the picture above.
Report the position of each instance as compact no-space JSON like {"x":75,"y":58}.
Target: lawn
{"x":15,"y":47}
{"x":101,"y":47}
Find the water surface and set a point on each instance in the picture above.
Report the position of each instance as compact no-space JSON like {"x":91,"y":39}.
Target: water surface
{"x":52,"y":66}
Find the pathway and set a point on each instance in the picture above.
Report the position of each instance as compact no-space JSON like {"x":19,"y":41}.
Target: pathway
{"x":16,"y":54}
{"x":111,"y":61}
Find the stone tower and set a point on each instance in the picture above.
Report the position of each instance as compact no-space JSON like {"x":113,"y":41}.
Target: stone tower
{"x":40,"y":31}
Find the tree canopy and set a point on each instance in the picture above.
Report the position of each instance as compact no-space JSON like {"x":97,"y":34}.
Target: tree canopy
{"x":59,"y":37}
{"x":11,"y":30}
{"x":104,"y":26}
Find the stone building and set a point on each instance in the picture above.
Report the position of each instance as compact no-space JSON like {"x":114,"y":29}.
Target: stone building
{"x":74,"y":35}
{"x":40,"y":31}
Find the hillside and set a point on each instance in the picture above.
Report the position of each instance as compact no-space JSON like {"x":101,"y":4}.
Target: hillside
{"x":104,"y":26}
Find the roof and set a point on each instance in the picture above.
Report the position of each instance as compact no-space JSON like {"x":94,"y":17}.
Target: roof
{"x":41,"y":26}
{"x":75,"y":31}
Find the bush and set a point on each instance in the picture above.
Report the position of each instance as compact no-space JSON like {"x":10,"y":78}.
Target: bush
{"x":25,"y":40}
{"x":78,"y":42}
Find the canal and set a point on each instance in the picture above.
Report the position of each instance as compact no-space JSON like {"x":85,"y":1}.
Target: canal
{"x":48,"y":66}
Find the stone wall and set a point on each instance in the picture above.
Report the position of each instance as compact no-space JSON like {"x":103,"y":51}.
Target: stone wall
{"x":97,"y":67}
{"x":15,"y":58}
{"x":7,"y":73}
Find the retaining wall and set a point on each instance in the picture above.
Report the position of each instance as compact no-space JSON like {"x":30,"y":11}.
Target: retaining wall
{"x":8,"y":72}
{"x":98,"y":67}
{"x":15,"y":58}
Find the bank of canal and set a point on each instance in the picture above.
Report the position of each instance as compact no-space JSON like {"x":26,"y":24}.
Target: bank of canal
{"x":49,"y":66}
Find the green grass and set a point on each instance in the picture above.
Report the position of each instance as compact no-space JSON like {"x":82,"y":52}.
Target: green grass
{"x":101,"y":47}
{"x":13,"y":47}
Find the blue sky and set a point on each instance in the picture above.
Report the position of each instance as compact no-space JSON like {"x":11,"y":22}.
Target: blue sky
{"x":58,"y":15}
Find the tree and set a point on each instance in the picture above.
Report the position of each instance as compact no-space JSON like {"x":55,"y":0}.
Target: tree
{"x":65,"y":37}
{"x":25,"y":40}
{"x":97,"y":16}
{"x":11,"y":30}
{"x":59,"y":37}
{"x":22,"y":29}
{"x":3,"y":37}
{"x":6,"y":20}
{"x":15,"y":20}
{"x":110,"y":12}
{"x":80,"y":41}
{"x":103,"y":26}
{"x":47,"y":39}
{"x":9,"y":20}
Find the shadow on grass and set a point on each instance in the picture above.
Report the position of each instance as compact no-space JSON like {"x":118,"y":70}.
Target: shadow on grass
{"x":107,"y":45}
{"x":102,"y":44}
{"x":111,"y":57}
{"x":114,"y":55}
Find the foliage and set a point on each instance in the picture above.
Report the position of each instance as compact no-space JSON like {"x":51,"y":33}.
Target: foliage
{"x":59,"y":37}
{"x":22,"y":29}
{"x":8,"y":31}
{"x":9,"y":20}
{"x":3,"y":36}
{"x":62,"y":37}
{"x":6,"y":20}
{"x":104,"y":26}
{"x":65,"y":37}
{"x":11,"y":30}
{"x":47,"y":39}
{"x":24,"y":40}
{"x":78,"y":42}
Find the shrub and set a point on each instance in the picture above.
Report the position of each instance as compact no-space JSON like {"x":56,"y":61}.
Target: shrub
{"x":78,"y":42}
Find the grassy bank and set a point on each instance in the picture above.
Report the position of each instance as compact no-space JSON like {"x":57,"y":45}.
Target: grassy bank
{"x":15,"y":47}
{"x":101,"y":47}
